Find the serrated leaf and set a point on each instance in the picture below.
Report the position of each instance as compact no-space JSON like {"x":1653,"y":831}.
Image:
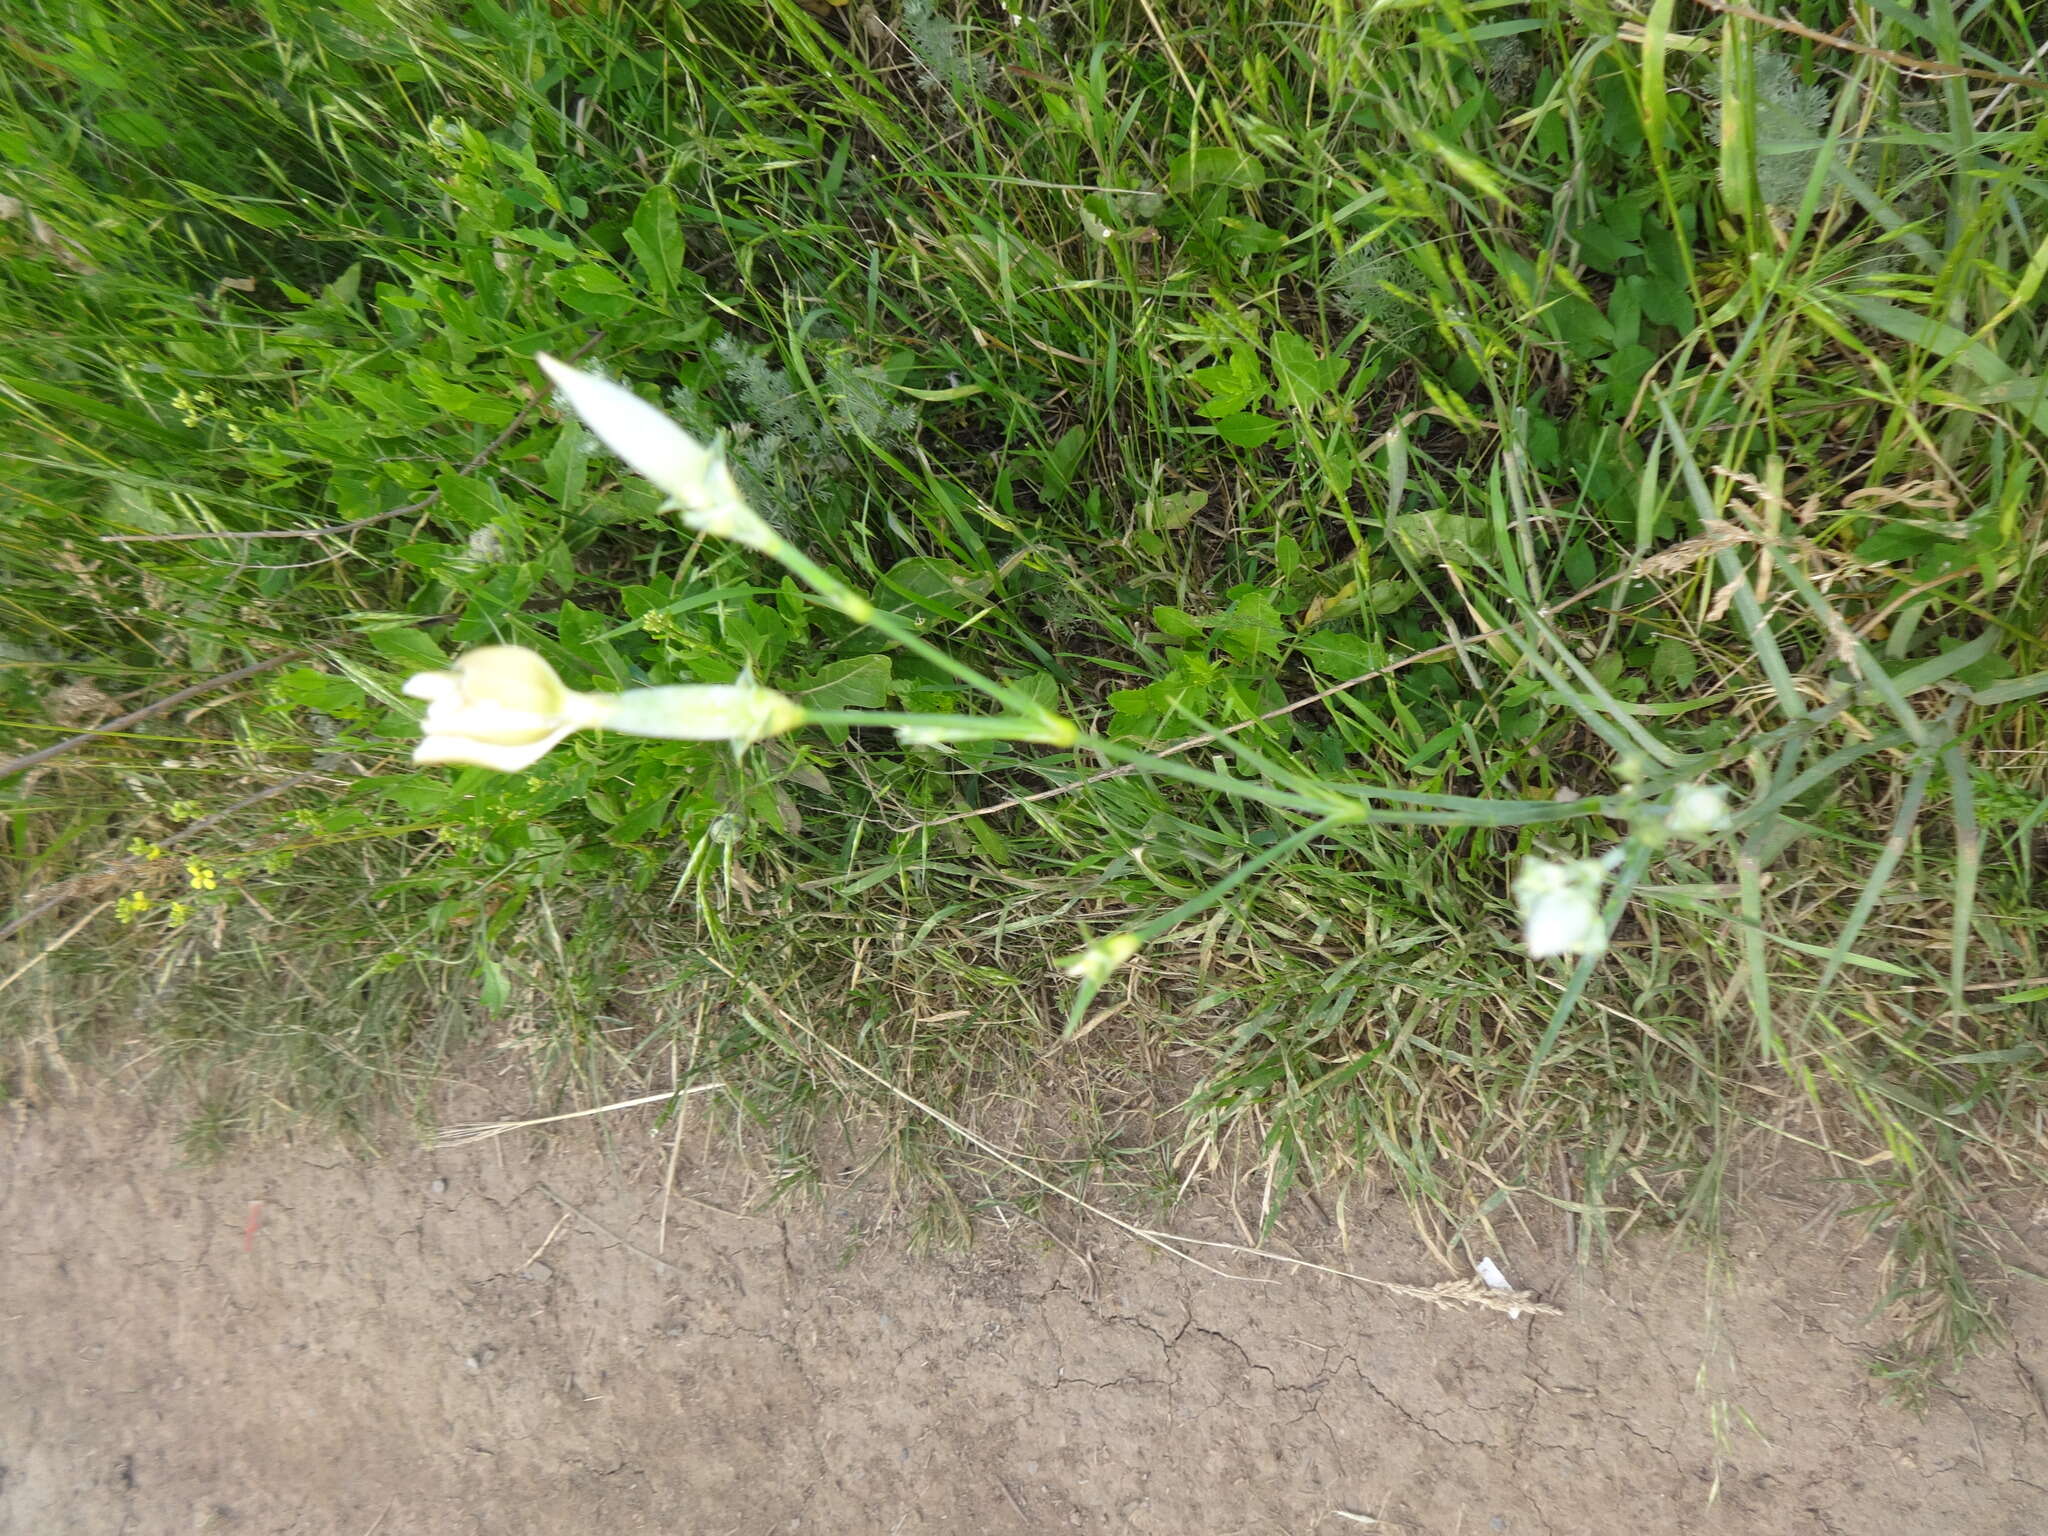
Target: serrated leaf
{"x":1231,"y":385}
{"x":1304,"y":376}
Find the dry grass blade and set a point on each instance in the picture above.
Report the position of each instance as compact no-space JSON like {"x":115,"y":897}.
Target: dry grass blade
{"x":1449,"y":1293}
{"x":470,"y":1135}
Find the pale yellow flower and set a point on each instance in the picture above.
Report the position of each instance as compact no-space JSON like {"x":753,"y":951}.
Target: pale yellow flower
{"x":503,"y":707}
{"x":1698,"y":810}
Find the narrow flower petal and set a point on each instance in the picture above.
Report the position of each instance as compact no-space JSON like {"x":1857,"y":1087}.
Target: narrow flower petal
{"x":470,"y":753}
{"x":432,"y":685}
{"x":638,"y":433}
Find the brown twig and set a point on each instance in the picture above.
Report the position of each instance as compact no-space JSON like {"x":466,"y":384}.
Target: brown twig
{"x":1902,"y":60}
{"x":68,"y":888}
{"x":333,"y":530}
{"x":591,"y":1221}
{"x":148,"y":711}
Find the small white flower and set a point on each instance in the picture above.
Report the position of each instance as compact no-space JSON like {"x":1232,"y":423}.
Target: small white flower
{"x":503,"y":707}
{"x":1560,"y":907}
{"x":1100,"y":959}
{"x":1697,"y":810}
{"x":694,"y":475}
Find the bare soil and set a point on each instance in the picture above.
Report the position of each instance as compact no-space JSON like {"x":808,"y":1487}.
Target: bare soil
{"x":503,"y":1339}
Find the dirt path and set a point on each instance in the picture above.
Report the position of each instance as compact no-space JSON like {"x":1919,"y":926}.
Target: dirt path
{"x":380,"y":1352}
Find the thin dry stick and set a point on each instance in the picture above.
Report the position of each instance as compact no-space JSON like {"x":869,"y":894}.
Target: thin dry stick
{"x":148,"y":711}
{"x":468,"y":1135}
{"x":333,"y":530}
{"x":591,"y":1221}
{"x":1446,"y":1294}
{"x":546,"y":1242}
{"x":1449,"y":647}
{"x":67,"y":888}
{"x":53,"y":946}
{"x":1902,"y":60}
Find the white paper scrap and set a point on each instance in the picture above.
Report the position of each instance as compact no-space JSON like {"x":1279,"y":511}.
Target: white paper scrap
{"x":1496,"y":1281}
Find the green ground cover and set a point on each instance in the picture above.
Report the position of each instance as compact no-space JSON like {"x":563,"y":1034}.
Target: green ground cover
{"x":1530,"y":408}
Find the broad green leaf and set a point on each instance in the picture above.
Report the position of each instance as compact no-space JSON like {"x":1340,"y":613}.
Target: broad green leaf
{"x":409,"y":647}
{"x":1176,"y":509}
{"x":305,"y":688}
{"x":1246,"y":430}
{"x":1232,"y":385}
{"x":545,"y":240}
{"x":859,"y":682}
{"x":1442,"y":536}
{"x":1215,"y":165}
{"x":931,"y":582}
{"x":656,"y":238}
{"x":1924,"y":675}
{"x":1305,"y":377}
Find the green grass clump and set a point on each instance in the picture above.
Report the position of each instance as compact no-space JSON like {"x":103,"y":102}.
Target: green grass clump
{"x":1504,"y":404}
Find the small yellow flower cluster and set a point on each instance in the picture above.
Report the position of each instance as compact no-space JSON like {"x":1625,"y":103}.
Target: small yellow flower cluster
{"x":195,"y":406}
{"x":131,"y":906}
{"x":202,"y":875}
{"x":139,"y":849}
{"x":192,"y":406}
{"x":661,"y":626}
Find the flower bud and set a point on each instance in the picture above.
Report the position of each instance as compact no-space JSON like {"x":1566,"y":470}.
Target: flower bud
{"x":1697,"y":810}
{"x":1100,"y":959}
{"x":694,"y":476}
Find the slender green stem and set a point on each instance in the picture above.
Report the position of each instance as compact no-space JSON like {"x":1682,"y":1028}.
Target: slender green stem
{"x":838,"y":595}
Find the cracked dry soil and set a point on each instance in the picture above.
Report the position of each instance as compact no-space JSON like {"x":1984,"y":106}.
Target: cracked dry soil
{"x":382,"y":1353}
